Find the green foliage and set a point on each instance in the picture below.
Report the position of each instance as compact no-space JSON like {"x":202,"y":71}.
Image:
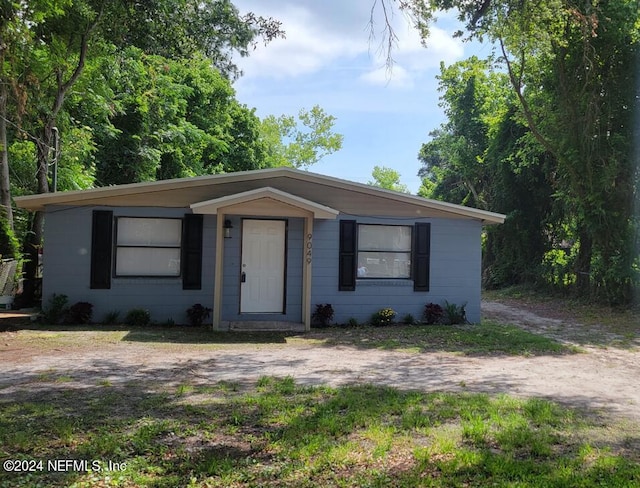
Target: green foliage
{"x":454,"y":314}
{"x":383,"y":317}
{"x":545,"y":138}
{"x":179,"y":118}
{"x":447,"y":314}
{"x":299,"y":143}
{"x":521,"y":188}
{"x":111,"y":318}
{"x":453,"y":162}
{"x":197,"y":314}
{"x":408,"y":319}
{"x":322,"y":315}
{"x":137,"y":317}
{"x":9,"y":245}
{"x":182,"y":29}
{"x":387,"y":178}
{"x":56,"y":309}
{"x":557,"y":267}
{"x":136,"y":91}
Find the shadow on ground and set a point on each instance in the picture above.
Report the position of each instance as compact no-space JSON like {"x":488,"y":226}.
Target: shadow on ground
{"x":185,"y":420}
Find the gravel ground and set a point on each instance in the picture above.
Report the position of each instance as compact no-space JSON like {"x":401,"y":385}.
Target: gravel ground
{"x":604,"y":380}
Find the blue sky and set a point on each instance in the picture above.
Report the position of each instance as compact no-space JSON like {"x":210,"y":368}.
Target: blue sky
{"x":328,"y":59}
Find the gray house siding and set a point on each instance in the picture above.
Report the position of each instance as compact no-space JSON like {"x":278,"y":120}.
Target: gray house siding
{"x":67,"y":264}
{"x":455,"y":272}
{"x":455,"y":261}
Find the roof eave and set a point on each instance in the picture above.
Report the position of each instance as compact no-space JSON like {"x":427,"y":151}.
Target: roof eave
{"x":39,"y":202}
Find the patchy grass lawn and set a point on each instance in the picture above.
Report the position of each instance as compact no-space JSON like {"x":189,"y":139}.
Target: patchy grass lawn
{"x":278,"y":433}
{"x":484,"y":339}
{"x":488,"y":338}
{"x":589,"y":323}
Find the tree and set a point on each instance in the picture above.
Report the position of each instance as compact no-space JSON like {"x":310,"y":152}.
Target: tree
{"x":519,"y":185}
{"x":571,"y":67}
{"x":482,"y":157}
{"x":173,"y":119}
{"x":299,"y":143}
{"x":388,"y":178}
{"x":473,"y":98}
{"x":18,"y":23}
{"x":61,"y":38}
{"x":180,"y":29}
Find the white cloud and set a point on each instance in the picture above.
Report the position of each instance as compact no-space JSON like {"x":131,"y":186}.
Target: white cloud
{"x":312,"y":42}
{"x":335,"y":35}
{"x":395,"y":77}
{"x":410,"y":58}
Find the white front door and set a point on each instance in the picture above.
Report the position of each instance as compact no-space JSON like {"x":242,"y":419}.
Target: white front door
{"x":263,"y":259}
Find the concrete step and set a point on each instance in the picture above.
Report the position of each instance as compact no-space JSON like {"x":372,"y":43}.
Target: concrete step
{"x":253,"y":326}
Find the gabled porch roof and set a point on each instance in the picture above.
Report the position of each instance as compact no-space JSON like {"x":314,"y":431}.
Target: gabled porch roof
{"x":265,"y":202}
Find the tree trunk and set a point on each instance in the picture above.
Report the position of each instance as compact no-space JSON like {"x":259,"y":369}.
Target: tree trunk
{"x":5,"y":188}
{"x":583,"y":263}
{"x":31,"y":254}
{"x":34,"y":238}
{"x":33,"y":241}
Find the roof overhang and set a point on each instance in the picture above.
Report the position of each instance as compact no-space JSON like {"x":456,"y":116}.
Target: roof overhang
{"x":265,"y":201}
{"x":347,"y":197}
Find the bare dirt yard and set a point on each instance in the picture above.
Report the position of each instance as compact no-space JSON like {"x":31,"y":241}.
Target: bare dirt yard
{"x":602,"y":377}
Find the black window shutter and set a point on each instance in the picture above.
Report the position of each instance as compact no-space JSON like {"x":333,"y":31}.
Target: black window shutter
{"x":192,"y":252}
{"x":421,"y":256}
{"x":101,"y":243}
{"x":347,"y":260}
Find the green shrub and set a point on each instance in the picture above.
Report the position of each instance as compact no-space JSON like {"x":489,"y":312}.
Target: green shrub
{"x":56,"y":309}
{"x":408,"y":319}
{"x":454,"y":314}
{"x":9,"y":244}
{"x":383,"y":317}
{"x":137,"y":316}
{"x":352,"y":322}
{"x":111,"y":318}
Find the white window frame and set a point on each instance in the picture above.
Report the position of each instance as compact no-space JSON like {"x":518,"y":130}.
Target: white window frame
{"x":372,"y":257}
{"x":157,"y":254}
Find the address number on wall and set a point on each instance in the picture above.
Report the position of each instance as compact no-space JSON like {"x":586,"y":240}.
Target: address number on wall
{"x":308,"y":248}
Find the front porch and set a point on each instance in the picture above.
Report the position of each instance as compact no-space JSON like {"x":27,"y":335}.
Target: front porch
{"x":262,"y":203}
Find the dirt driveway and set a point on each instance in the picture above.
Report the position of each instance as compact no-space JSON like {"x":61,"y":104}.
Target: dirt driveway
{"x":604,"y":379}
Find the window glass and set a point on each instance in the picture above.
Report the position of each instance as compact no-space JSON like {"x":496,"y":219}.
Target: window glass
{"x":384,"y":237}
{"x":148,"y":261}
{"x":384,"y":251}
{"x":148,"y":247}
{"x":149,"y":232}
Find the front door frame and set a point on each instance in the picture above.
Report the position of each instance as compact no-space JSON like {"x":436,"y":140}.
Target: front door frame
{"x":285,"y":230}
{"x":218,"y":282}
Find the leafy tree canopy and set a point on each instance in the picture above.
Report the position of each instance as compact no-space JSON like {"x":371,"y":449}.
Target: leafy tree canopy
{"x":302,"y":142}
{"x":388,"y":178}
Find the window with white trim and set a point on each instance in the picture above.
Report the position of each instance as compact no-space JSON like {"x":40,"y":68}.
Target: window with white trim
{"x":148,"y":246}
{"x":384,"y":251}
